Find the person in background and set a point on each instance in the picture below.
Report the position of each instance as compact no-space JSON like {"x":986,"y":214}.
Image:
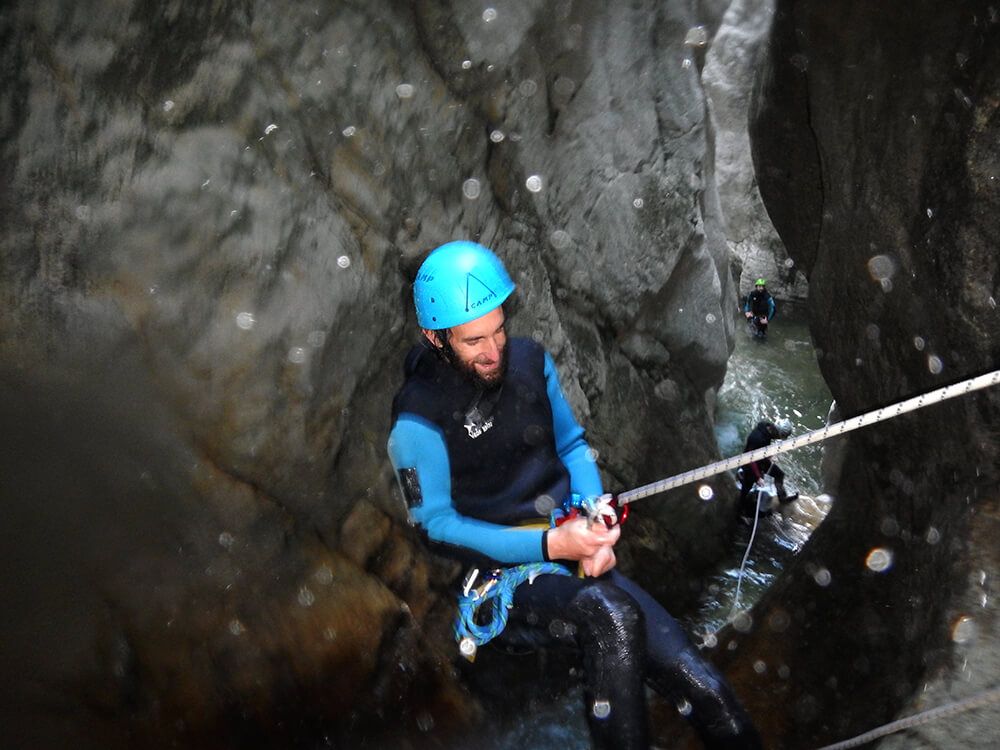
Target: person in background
{"x":485,"y":447}
{"x":753,"y":473}
{"x":759,"y":308}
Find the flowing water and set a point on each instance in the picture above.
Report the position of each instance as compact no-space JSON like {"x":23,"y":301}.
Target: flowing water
{"x":770,"y":379}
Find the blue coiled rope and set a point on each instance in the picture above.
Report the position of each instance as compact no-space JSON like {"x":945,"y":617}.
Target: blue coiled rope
{"x":500,"y":596}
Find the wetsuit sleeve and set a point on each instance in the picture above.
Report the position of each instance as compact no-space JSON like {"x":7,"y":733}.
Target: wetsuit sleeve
{"x":417,"y":450}
{"x":584,"y":478}
{"x":746,"y":304}
{"x":770,"y":307}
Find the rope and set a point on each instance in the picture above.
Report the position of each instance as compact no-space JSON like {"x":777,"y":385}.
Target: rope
{"x":924,"y":717}
{"x":839,"y":428}
{"x":498,"y":592}
{"x":746,"y":555}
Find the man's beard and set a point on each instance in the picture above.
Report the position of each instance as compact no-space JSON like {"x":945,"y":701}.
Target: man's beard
{"x":468,"y":369}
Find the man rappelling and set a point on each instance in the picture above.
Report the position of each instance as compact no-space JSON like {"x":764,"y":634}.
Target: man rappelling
{"x":486,"y":449}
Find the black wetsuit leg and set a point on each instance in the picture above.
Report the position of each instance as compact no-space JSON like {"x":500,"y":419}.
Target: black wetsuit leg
{"x":625,"y":636}
{"x":678,"y":672}
{"x":605,"y":624}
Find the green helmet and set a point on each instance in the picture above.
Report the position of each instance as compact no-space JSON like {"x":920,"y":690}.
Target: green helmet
{"x":457,"y":283}
{"x":760,"y":282}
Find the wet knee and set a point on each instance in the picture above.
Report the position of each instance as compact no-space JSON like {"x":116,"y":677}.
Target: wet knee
{"x":608,"y":612}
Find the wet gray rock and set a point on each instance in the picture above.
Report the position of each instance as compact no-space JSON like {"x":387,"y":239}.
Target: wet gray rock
{"x":730,"y":66}
{"x":211,"y":216}
{"x":875,"y":145}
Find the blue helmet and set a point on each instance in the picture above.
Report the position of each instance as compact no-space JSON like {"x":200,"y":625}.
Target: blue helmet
{"x":459,"y":282}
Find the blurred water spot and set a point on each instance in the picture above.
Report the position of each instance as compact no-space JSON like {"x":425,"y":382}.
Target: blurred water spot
{"x":466,"y":64}
{"x":470,"y":188}
{"x":933,"y":536}
{"x":879,"y":560}
{"x":306,"y":597}
{"x":759,"y":666}
{"x":297,"y":355}
{"x":425,"y":722}
{"x":527,"y":87}
{"x":534,"y":183}
{"x":489,"y":15}
{"x":349,"y":131}
{"x":83,"y":213}
{"x":323,"y":575}
{"x":710,"y":640}
{"x":559,"y":239}
{"x":684,"y":707}
{"x":743,"y":622}
{"x":965,"y":630}
{"x":592,"y":455}
{"x":236,"y":627}
{"x":330,"y":634}
{"x":872,"y":332}
{"x":697,"y":36}
{"x":686,"y":63}
{"x":227,"y":540}
{"x":343,"y":261}
{"x":934,"y":364}
{"x":822,"y":577}
{"x":789,"y":262}
{"x":496,"y":136}
{"x":544,"y":504}
{"x":404,"y":90}
{"x":316,"y":339}
{"x":918,"y":343}
{"x":168,"y":105}
{"x":930,"y":214}
{"x":705,"y":492}
{"x":602,"y":709}
{"x":245,"y":320}
{"x":710,"y":318}
{"x":881,"y":267}
{"x":638,"y":203}
{"x":270,"y":129}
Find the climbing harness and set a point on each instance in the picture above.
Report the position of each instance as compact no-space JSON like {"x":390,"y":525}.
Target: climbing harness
{"x":924,"y":717}
{"x":497,"y":590}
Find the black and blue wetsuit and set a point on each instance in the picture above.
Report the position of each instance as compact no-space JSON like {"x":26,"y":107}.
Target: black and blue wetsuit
{"x":474,"y":465}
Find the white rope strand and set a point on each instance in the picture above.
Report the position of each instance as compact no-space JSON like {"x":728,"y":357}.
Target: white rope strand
{"x":815,"y":436}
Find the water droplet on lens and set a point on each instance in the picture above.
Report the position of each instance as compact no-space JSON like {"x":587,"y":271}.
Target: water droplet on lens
{"x":879,"y":560}
{"x":349,"y":131}
{"x":697,"y":36}
{"x":592,"y":455}
{"x":965,"y":630}
{"x":323,"y":575}
{"x":470,"y":188}
{"x":236,"y":627}
{"x":934,"y":364}
{"x":245,"y":320}
{"x":83,"y":213}
{"x":404,"y":90}
{"x":343,"y":261}
{"x":881,"y":267}
{"x":527,"y":87}
{"x":270,"y":129}
{"x":822,"y":577}
{"x":306,"y":597}
{"x":168,"y":105}
{"x":559,"y":239}
{"x":602,"y":709}
{"x":466,"y":64}
{"x":710,"y":318}
{"x":227,"y":540}
{"x":316,"y":339}
{"x":705,"y":492}
{"x":759,"y":667}
{"x":496,"y":136}
{"x":489,"y":15}
{"x":297,"y":355}
{"x":534,"y":183}
{"x":686,"y":63}
{"x":933,"y":535}
{"x":544,"y":504}
{"x":918,"y":343}
{"x":684,"y":707}
{"x":638,"y":203}
{"x":425,"y":722}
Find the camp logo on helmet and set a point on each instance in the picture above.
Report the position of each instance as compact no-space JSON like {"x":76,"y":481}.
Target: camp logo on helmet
{"x":428,"y":277}
{"x":490,"y":294}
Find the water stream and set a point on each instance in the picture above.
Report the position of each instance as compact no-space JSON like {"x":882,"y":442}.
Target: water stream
{"x":768,"y":379}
